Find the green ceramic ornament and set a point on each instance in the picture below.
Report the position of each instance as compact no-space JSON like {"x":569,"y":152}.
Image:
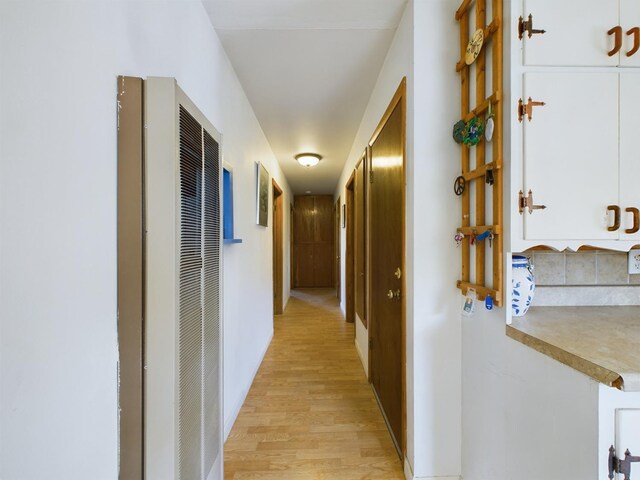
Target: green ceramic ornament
{"x":457,"y":131}
{"x":472,"y":133}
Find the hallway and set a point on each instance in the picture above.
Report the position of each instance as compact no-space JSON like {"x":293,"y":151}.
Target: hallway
{"x":310,"y":413}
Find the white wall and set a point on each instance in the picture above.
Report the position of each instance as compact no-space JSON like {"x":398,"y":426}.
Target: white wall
{"x":525,"y":415}
{"x":435,"y":212}
{"x":58,"y":336}
{"x":432,"y":263}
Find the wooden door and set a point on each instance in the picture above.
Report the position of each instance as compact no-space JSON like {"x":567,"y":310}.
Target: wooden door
{"x":313,"y":241}
{"x":386,"y":328}
{"x":571,"y":155}
{"x":277,"y":249}
{"x":303,"y":226}
{"x":349,"y":264}
{"x":629,"y":18}
{"x":360,"y":240}
{"x":576,"y":32}
{"x":336,"y":236}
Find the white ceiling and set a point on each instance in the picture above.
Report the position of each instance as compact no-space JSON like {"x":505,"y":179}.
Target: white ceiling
{"x":308,"y":68}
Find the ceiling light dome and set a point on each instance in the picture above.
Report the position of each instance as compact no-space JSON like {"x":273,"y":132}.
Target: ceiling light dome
{"x":308,"y":159}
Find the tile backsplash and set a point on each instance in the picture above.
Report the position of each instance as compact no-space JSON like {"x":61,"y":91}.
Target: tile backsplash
{"x":582,"y":268}
{"x":583,"y":278}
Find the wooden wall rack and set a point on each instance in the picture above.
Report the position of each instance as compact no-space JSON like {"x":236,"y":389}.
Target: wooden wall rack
{"x":475,"y":174}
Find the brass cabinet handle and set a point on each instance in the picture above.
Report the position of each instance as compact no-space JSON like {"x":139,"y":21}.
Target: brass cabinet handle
{"x":617,"y":31}
{"x":636,"y":219}
{"x":616,"y":217}
{"x":635,"y":31}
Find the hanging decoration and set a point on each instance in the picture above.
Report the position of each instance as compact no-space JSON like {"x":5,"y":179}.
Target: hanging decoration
{"x":472,"y":133}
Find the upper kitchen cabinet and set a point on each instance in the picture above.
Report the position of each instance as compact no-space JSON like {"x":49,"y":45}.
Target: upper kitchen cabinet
{"x":570,"y":155}
{"x":603,"y":33}
{"x":580,"y":160}
{"x":629,"y":201}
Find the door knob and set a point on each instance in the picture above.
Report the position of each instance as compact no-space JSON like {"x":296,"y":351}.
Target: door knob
{"x":391,"y":294}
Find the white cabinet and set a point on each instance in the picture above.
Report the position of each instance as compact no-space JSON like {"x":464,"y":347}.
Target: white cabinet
{"x":628,"y":437}
{"x":577,"y":32}
{"x":629,"y":19}
{"x":629,"y":151}
{"x":570,"y":155}
{"x":619,"y":426}
{"x":579,"y":154}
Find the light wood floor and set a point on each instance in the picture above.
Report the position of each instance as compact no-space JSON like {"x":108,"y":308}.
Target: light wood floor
{"x":310,"y":413}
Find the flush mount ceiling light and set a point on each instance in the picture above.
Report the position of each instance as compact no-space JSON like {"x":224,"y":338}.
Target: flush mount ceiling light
{"x":308,"y":159}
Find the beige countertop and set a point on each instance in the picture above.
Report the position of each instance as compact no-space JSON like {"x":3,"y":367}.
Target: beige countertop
{"x":601,"y":342}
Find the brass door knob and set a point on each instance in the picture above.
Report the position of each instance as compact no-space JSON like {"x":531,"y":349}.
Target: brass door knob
{"x":391,"y":294}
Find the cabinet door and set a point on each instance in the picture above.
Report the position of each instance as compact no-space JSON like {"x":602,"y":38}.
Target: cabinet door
{"x":576,"y":32}
{"x":629,"y":18}
{"x":629,"y":150}
{"x":628,"y":437}
{"x":571,"y":154}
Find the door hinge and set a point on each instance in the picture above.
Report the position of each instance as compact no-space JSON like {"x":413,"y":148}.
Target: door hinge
{"x":621,"y":466}
{"x":371,"y":176}
{"x":527,"y":26}
{"x":527,"y":108}
{"x":527,"y":202}
{"x":370,"y":344}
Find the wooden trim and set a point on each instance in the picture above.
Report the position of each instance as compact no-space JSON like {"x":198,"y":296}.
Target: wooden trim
{"x":361,"y":243}
{"x":399,"y":98}
{"x":367,"y":216}
{"x":336,"y":249}
{"x":278,"y":250}
{"x":130,"y":296}
{"x":291,"y":251}
{"x":349,"y":275}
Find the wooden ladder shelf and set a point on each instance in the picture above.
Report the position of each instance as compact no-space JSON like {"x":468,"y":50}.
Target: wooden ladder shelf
{"x":474,"y":165}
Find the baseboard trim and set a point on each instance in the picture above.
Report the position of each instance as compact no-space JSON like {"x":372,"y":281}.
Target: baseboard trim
{"x":408,"y":471}
{"x":360,"y":354}
{"x":408,"y":474}
{"x":228,"y":424}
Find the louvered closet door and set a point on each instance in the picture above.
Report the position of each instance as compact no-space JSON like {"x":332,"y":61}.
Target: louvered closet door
{"x":190,"y":300}
{"x":211,"y":323}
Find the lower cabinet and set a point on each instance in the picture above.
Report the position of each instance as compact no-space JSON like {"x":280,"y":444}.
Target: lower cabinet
{"x":619,"y":428}
{"x":562,"y":423}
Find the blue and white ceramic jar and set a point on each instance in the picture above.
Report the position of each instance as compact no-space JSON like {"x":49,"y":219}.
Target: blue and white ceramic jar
{"x":523,"y":285}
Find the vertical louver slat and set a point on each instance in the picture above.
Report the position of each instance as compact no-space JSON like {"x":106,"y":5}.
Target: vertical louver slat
{"x":211,"y":324}
{"x":190,"y":301}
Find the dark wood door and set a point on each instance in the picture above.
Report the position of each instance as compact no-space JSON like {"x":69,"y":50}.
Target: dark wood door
{"x":360,"y":241}
{"x":349,"y":274}
{"x":313,"y":241}
{"x":277,"y":250}
{"x":337,"y":250}
{"x":386,"y":327}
